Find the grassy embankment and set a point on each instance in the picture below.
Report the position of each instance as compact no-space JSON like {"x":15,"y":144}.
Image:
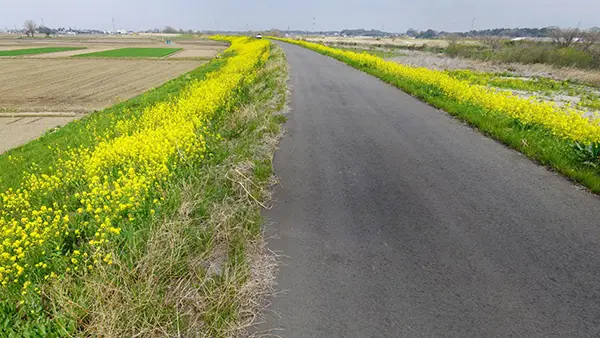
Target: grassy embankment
{"x":33,"y":51}
{"x":132,"y":53}
{"x":163,"y":194}
{"x":560,"y":139}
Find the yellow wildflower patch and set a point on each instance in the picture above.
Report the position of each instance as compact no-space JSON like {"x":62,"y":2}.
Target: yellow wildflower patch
{"x":73,"y":216}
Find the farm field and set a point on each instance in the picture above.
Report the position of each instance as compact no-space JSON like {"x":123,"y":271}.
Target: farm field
{"x":200,"y":49}
{"x":196,"y":53}
{"x":52,"y":81}
{"x":31,"y":51}
{"x":133,"y":53}
{"x":80,"y":85}
{"x":66,"y":54}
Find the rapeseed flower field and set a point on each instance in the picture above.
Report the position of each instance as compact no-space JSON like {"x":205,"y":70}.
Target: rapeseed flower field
{"x":73,"y":217}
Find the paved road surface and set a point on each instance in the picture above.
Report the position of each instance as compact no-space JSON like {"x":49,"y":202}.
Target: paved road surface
{"x":398,"y":221}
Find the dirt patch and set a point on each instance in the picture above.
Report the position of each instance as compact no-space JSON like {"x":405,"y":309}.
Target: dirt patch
{"x":18,"y":130}
{"x":80,"y":85}
{"x":206,"y":52}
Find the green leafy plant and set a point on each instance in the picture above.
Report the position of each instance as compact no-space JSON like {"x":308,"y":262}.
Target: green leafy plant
{"x":588,"y":154}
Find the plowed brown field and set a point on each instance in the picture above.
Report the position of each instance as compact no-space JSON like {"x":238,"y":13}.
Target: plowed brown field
{"x":73,"y":85}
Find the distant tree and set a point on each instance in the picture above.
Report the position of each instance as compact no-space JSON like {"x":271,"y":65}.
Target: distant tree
{"x":46,"y":30}
{"x":589,"y":38}
{"x":169,"y":30}
{"x":565,"y":37}
{"x":30,"y":27}
{"x":412,"y":32}
{"x":362,"y":32}
{"x":428,"y":34}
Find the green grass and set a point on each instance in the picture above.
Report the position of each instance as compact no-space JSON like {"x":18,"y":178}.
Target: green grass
{"x":590,"y":101}
{"x":32,"y":51}
{"x":133,"y":53}
{"x":39,"y":154}
{"x":536,"y":142}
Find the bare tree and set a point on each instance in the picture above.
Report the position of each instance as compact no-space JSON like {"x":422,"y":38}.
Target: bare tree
{"x":30,"y":27}
{"x":565,"y":37}
{"x":170,"y":30}
{"x":589,"y":38}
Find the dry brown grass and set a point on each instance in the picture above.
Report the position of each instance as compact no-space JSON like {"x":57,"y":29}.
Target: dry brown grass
{"x":80,"y":85}
{"x":173,"y":290}
{"x":591,"y":77}
{"x":365,"y":41}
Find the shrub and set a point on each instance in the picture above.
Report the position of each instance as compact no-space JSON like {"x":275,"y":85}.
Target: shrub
{"x":528,"y":53}
{"x":570,"y":57}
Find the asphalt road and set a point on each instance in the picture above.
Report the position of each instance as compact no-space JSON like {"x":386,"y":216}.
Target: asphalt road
{"x":398,"y":221}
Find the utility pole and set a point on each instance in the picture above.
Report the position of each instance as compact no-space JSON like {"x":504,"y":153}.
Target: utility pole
{"x":314,"y":24}
{"x":43,"y":22}
{"x":113,"y":22}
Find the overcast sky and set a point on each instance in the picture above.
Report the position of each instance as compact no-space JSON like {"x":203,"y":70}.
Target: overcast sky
{"x":392,"y":15}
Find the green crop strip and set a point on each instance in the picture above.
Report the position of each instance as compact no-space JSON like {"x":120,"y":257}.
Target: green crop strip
{"x":132,"y":53}
{"x":33,"y":51}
